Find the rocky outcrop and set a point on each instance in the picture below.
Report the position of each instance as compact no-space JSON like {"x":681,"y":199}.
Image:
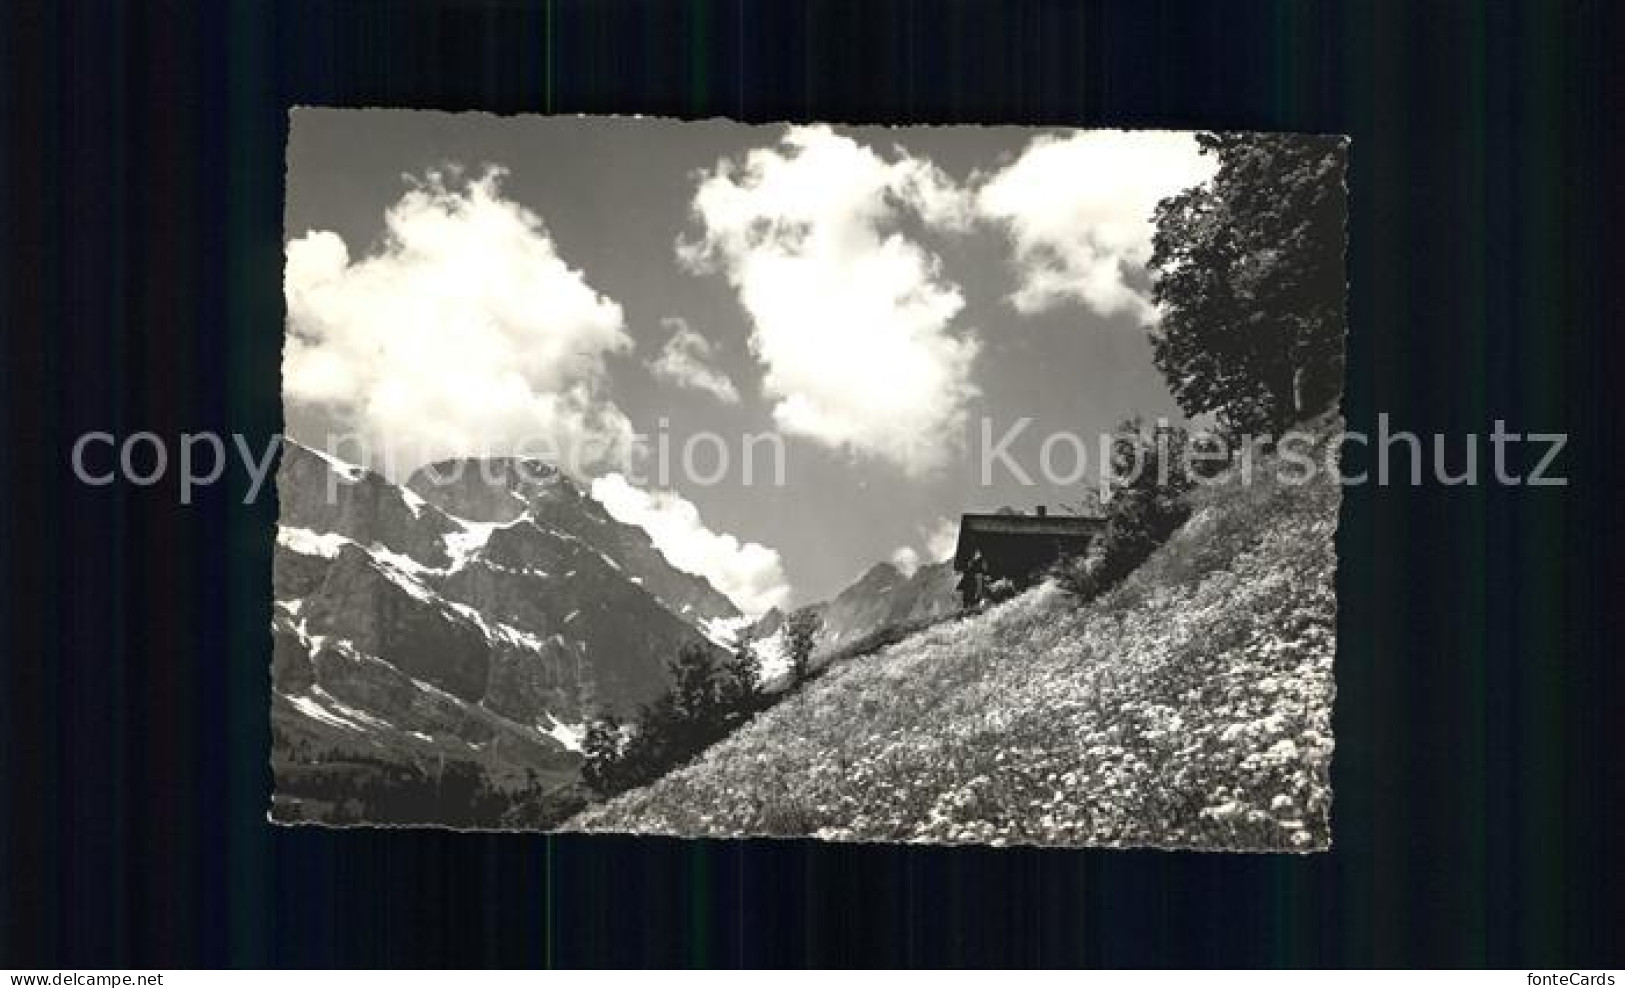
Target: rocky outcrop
{"x":318,"y":493}
{"x":881,"y":606}
{"x":884,"y":597}
{"x":383,"y":612}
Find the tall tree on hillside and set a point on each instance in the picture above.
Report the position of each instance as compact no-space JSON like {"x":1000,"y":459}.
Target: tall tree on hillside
{"x":742,"y":678}
{"x":602,"y":751}
{"x":1151,"y":475}
{"x":800,"y":635}
{"x":1150,"y":487}
{"x":697,"y":697}
{"x":1248,"y":272}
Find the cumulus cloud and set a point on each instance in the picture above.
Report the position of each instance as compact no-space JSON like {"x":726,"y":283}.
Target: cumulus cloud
{"x":685,"y":361}
{"x":463,"y":333}
{"x":851,"y":320}
{"x":907,"y":559}
{"x":1077,"y":209}
{"x":747,"y":573}
{"x":939,"y":539}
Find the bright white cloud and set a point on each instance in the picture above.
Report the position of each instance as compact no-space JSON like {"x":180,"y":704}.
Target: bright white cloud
{"x":851,"y":319}
{"x":463,"y":334}
{"x":906,"y":559}
{"x":1077,"y":209}
{"x":940,"y":539}
{"x":685,"y":360}
{"x":747,"y":573}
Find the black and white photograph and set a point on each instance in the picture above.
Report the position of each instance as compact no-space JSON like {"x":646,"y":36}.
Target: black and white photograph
{"x":954,"y":485}
{"x":705,"y":487}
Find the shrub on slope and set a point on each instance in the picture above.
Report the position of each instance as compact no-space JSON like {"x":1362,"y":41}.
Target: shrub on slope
{"x":1189,"y":706}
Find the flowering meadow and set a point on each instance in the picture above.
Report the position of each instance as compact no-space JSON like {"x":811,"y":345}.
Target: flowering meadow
{"x":1188,"y":707}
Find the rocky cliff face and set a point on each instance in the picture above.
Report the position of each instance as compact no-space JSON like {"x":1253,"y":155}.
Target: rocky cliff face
{"x":882,"y":601}
{"x":473,"y":618}
{"x":884,"y":597}
{"x":504,"y":490}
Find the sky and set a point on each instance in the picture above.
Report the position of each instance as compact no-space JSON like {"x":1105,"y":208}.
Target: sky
{"x":876,"y":302}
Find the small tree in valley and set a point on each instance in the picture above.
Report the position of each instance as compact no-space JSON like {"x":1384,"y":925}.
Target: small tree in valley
{"x":602,"y":753}
{"x":698,"y":699}
{"x":742,"y":679}
{"x":800,"y":636}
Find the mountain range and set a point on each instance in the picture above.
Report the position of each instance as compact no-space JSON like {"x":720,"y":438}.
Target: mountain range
{"x":439,"y":644}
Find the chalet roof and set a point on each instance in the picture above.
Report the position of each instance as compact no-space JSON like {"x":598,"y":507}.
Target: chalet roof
{"x":975,"y":529}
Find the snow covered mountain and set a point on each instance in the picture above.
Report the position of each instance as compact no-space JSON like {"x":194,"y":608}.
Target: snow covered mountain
{"x":438,"y":645}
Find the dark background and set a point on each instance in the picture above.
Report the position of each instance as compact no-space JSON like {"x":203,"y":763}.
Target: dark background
{"x":1478,"y":814}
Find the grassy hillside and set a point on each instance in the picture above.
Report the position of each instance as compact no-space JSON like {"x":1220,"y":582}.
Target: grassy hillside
{"x":1191,"y":706}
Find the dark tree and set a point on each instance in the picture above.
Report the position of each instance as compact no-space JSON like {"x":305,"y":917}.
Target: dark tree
{"x":1151,"y":484}
{"x":696,"y":686}
{"x":742,"y":679}
{"x":1150,"y":481}
{"x":602,"y":750}
{"x":710,"y":693}
{"x":1248,"y":271}
{"x":800,"y":636}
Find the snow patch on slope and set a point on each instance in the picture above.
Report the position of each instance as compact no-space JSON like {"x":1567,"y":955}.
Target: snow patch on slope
{"x":349,"y":471}
{"x":568,"y":735}
{"x":462,"y":546}
{"x":319,"y":705}
{"x":308,"y":543}
{"x":725,"y":631}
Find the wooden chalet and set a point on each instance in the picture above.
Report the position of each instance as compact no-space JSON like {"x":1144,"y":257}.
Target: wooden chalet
{"x":1015,"y":547}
